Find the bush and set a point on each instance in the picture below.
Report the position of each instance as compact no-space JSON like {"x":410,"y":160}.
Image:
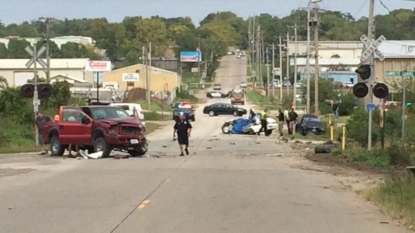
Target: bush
{"x":184,"y":95}
{"x":357,"y":127}
{"x":397,"y":197}
{"x":347,"y":104}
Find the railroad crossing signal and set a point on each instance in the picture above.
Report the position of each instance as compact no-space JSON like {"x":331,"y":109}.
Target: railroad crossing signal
{"x":44,"y":91}
{"x":36,"y":57}
{"x":372,"y":47}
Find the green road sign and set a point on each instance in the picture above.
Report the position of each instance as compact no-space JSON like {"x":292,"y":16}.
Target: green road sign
{"x":399,"y":73}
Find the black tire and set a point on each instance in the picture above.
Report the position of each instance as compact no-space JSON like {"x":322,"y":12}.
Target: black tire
{"x":193,"y":118}
{"x":101,"y":145}
{"x":140,"y":151}
{"x":319,"y":149}
{"x":268,"y":132}
{"x":225,"y":126}
{"x":212,"y":113}
{"x":56,"y":149}
{"x":235,"y":113}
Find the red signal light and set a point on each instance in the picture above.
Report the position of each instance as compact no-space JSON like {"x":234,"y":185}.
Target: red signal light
{"x":27,"y":91}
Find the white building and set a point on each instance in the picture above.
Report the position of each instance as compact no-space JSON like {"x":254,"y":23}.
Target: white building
{"x":329,"y":49}
{"x":59,"y":41}
{"x":16,"y":73}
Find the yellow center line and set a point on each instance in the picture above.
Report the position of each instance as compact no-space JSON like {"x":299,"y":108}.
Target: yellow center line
{"x":143,"y":204}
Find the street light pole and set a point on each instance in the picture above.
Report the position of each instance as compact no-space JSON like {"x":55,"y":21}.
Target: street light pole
{"x":307,"y":66}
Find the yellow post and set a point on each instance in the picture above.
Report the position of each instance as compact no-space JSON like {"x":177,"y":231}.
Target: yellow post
{"x":344,"y":138}
{"x":331,"y":133}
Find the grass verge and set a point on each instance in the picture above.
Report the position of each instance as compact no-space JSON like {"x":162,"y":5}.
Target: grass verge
{"x":154,"y":116}
{"x":18,"y":146}
{"x":151,"y":127}
{"x":255,"y":98}
{"x":396,"y":197}
{"x":154,"y":106}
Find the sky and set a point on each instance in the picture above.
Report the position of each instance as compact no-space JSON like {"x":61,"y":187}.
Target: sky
{"x":17,"y":11}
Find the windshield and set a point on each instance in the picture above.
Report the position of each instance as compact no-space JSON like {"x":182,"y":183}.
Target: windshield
{"x":108,"y":112}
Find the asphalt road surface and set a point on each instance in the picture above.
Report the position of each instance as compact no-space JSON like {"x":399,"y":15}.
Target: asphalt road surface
{"x":238,"y":184}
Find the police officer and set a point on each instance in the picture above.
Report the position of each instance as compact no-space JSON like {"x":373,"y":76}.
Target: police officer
{"x":183,"y":129}
{"x":263,"y":121}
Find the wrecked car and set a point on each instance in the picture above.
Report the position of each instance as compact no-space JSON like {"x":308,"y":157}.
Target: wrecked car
{"x":96,"y":129}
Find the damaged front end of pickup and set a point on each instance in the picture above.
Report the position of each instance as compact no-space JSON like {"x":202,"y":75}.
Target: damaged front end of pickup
{"x":126,"y":136}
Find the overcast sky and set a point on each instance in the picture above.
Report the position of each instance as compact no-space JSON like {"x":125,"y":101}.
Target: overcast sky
{"x":17,"y":11}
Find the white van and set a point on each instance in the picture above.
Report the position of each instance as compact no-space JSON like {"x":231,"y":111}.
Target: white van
{"x":130,"y":107}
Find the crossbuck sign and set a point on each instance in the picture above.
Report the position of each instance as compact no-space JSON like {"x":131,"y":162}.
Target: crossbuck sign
{"x":372,"y":48}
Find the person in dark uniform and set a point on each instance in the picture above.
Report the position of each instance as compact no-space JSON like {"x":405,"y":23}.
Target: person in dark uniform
{"x":41,"y":120}
{"x":183,"y":129}
{"x":281,"y":119}
{"x":263,"y":121}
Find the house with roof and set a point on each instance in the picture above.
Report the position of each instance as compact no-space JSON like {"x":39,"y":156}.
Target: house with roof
{"x":399,"y":56}
{"x":73,"y":70}
{"x":136,"y":76}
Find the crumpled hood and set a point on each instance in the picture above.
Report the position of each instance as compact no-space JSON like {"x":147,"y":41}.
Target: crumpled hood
{"x":116,"y":121}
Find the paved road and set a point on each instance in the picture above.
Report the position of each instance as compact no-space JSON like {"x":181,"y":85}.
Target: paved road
{"x":229,"y":184}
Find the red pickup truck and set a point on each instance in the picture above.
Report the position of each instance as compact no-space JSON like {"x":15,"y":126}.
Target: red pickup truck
{"x":96,"y":128}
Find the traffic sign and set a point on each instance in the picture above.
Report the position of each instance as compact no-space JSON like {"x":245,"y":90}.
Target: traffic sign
{"x":400,"y":73}
{"x":36,"y":57}
{"x":370,"y":107}
{"x":372,"y":47}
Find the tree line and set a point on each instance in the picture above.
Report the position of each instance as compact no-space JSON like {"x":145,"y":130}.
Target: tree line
{"x":123,"y":41}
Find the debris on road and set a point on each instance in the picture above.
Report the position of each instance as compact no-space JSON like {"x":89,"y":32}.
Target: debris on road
{"x":232,"y":143}
{"x":121,"y":156}
{"x":274,"y":155}
{"x":96,"y":155}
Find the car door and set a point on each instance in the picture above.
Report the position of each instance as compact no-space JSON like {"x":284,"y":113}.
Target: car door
{"x":71,"y":128}
{"x":227,"y":109}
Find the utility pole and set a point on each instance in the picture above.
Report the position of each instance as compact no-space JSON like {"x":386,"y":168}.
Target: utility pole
{"x":307,"y":66}
{"x":47,"y":20}
{"x":295,"y":66}
{"x":47,"y":51}
{"x":273,"y":67}
{"x":267,"y":59}
{"x":370,"y":35}
{"x":198,"y":62}
{"x":145,"y":56}
{"x":280,"y":52}
{"x":149,"y":77}
{"x":316,"y":65}
{"x":35,"y":93}
{"x":288,"y":64}
{"x":262,"y":56}
{"x":258,"y":53}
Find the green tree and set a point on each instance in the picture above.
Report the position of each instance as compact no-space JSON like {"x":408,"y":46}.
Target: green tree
{"x":3,"y":51}
{"x":16,"y":49}
{"x":327,"y":92}
{"x":73,"y":50}
{"x":154,"y":31}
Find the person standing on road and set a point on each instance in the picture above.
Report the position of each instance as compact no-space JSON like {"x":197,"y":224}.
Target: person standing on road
{"x":287,"y":120}
{"x":281,"y":119}
{"x":41,"y":120}
{"x":263,"y":121}
{"x":293,"y":120}
{"x":183,"y":128}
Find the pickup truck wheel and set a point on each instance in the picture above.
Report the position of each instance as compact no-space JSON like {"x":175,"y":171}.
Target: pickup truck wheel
{"x":139,"y":151}
{"x":101,"y":145}
{"x":56,"y":148}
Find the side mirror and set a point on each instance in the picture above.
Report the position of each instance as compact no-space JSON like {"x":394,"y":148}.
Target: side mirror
{"x":85,"y":120}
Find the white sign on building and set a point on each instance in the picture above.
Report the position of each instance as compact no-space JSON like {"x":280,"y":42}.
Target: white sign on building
{"x":133,"y":77}
{"x":98,"y":66}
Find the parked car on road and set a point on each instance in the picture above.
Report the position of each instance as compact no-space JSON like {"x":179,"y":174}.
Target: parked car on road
{"x":217,"y":86}
{"x":186,"y":108}
{"x":216,"y":94}
{"x":224,"y":109}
